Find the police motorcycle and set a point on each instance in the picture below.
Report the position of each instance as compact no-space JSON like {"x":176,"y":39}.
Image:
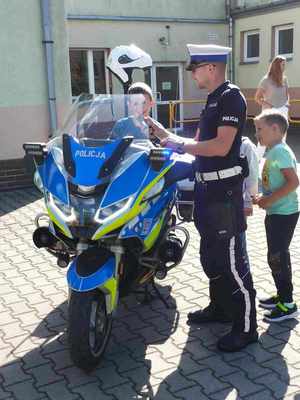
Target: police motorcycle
{"x":109,"y":216}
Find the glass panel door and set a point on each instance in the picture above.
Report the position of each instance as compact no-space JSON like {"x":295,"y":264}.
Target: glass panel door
{"x":168,"y":86}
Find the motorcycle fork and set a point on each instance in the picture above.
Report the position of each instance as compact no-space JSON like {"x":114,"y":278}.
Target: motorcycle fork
{"x":111,"y":287}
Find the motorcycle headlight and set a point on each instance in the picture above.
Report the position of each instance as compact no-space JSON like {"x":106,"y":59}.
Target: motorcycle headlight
{"x":86,"y":189}
{"x":63,"y":208}
{"x":85,"y":209}
{"x":156,"y":189}
{"x":112,"y":211}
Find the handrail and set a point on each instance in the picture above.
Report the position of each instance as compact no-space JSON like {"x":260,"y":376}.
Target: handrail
{"x":291,"y":120}
{"x":174,"y":103}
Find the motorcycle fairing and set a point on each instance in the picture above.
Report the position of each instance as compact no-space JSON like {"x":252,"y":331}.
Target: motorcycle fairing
{"x":128,"y":182}
{"x":53,"y":180}
{"x":104,"y":273}
{"x":62,"y":225}
{"x":137,"y":175}
{"x":155,"y":231}
{"x":134,"y":207}
{"x":110,"y":288}
{"x":143,"y":225}
{"x":89,"y":159}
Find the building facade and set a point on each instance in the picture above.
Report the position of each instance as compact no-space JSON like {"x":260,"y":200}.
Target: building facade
{"x":263,"y":30}
{"x":24,"y":98}
{"x":57,"y":49}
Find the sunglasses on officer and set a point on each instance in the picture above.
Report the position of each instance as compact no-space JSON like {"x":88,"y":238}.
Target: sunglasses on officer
{"x":194,"y":67}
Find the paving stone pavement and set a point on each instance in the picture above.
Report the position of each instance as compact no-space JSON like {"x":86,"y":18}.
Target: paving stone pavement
{"x":152,"y":353}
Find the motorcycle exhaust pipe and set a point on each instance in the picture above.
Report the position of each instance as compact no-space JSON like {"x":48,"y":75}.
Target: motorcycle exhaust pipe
{"x":42,"y":237}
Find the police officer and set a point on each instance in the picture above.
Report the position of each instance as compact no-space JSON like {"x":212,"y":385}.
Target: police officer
{"x":218,"y":214}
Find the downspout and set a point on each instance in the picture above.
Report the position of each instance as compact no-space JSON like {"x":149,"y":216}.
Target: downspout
{"x":230,"y":39}
{"x":48,"y":42}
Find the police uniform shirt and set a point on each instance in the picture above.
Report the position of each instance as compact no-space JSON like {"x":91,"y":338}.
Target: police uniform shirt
{"x":225,"y":106}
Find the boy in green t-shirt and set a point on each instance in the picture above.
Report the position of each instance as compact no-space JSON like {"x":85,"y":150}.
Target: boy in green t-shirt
{"x":280,"y":200}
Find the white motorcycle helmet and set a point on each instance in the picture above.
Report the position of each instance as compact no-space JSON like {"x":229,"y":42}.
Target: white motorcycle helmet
{"x":127,"y":57}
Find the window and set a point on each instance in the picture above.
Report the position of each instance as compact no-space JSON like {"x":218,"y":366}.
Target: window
{"x":284,"y":40}
{"x":251,"y":46}
{"x":88,"y":73}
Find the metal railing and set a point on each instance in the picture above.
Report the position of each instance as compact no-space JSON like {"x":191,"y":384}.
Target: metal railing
{"x":291,"y":119}
{"x":172,"y":107}
{"x":173,"y":104}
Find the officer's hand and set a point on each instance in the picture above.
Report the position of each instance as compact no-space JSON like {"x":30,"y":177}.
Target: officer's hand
{"x":156,"y":128}
{"x":175,"y":145}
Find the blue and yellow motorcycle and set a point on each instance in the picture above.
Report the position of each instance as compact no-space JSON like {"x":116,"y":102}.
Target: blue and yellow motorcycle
{"x":109,"y":218}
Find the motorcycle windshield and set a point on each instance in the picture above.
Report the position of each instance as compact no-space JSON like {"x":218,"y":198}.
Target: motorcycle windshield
{"x":99,"y":133}
{"x":92,"y":149}
{"x":107,"y":117}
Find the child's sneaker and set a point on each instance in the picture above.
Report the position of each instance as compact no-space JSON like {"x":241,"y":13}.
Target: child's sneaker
{"x":269,"y":303}
{"x":281,"y":312}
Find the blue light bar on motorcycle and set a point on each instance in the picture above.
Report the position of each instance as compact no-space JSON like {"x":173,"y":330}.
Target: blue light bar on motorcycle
{"x":158,"y":157}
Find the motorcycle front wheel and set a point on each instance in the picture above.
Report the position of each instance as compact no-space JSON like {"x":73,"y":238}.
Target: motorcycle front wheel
{"x":89,"y":328}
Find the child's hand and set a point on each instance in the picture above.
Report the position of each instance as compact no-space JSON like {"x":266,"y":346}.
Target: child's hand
{"x":255,"y":198}
{"x":248,"y":211}
{"x":263,"y":201}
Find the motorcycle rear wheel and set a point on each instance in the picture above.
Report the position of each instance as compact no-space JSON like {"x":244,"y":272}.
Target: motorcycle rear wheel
{"x":89,"y":328}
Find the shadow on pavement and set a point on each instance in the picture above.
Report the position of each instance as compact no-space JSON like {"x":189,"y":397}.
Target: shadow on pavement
{"x":139,"y":328}
{"x":205,"y":372}
{"x":49,"y":368}
{"x":13,"y":200}
{"x":274,"y":340}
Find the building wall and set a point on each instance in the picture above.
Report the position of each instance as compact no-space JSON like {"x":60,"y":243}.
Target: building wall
{"x":186,"y":22}
{"x":254,"y":3}
{"x":24,"y":96}
{"x":155,"y":8}
{"x":248,"y":75}
{"x":106,"y":34}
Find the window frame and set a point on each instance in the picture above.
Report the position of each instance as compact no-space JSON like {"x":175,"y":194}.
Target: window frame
{"x":247,"y":59}
{"x":277,"y":29}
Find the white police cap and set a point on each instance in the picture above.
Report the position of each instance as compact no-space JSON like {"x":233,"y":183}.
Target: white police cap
{"x":206,"y":53}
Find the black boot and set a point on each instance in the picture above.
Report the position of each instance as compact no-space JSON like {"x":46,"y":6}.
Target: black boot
{"x":211,"y":313}
{"x":235,"y":341}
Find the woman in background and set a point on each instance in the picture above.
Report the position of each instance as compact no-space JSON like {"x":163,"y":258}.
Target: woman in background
{"x":272,"y":91}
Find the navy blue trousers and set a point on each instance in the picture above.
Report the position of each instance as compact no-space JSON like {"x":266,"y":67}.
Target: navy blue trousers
{"x":231,"y":288}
